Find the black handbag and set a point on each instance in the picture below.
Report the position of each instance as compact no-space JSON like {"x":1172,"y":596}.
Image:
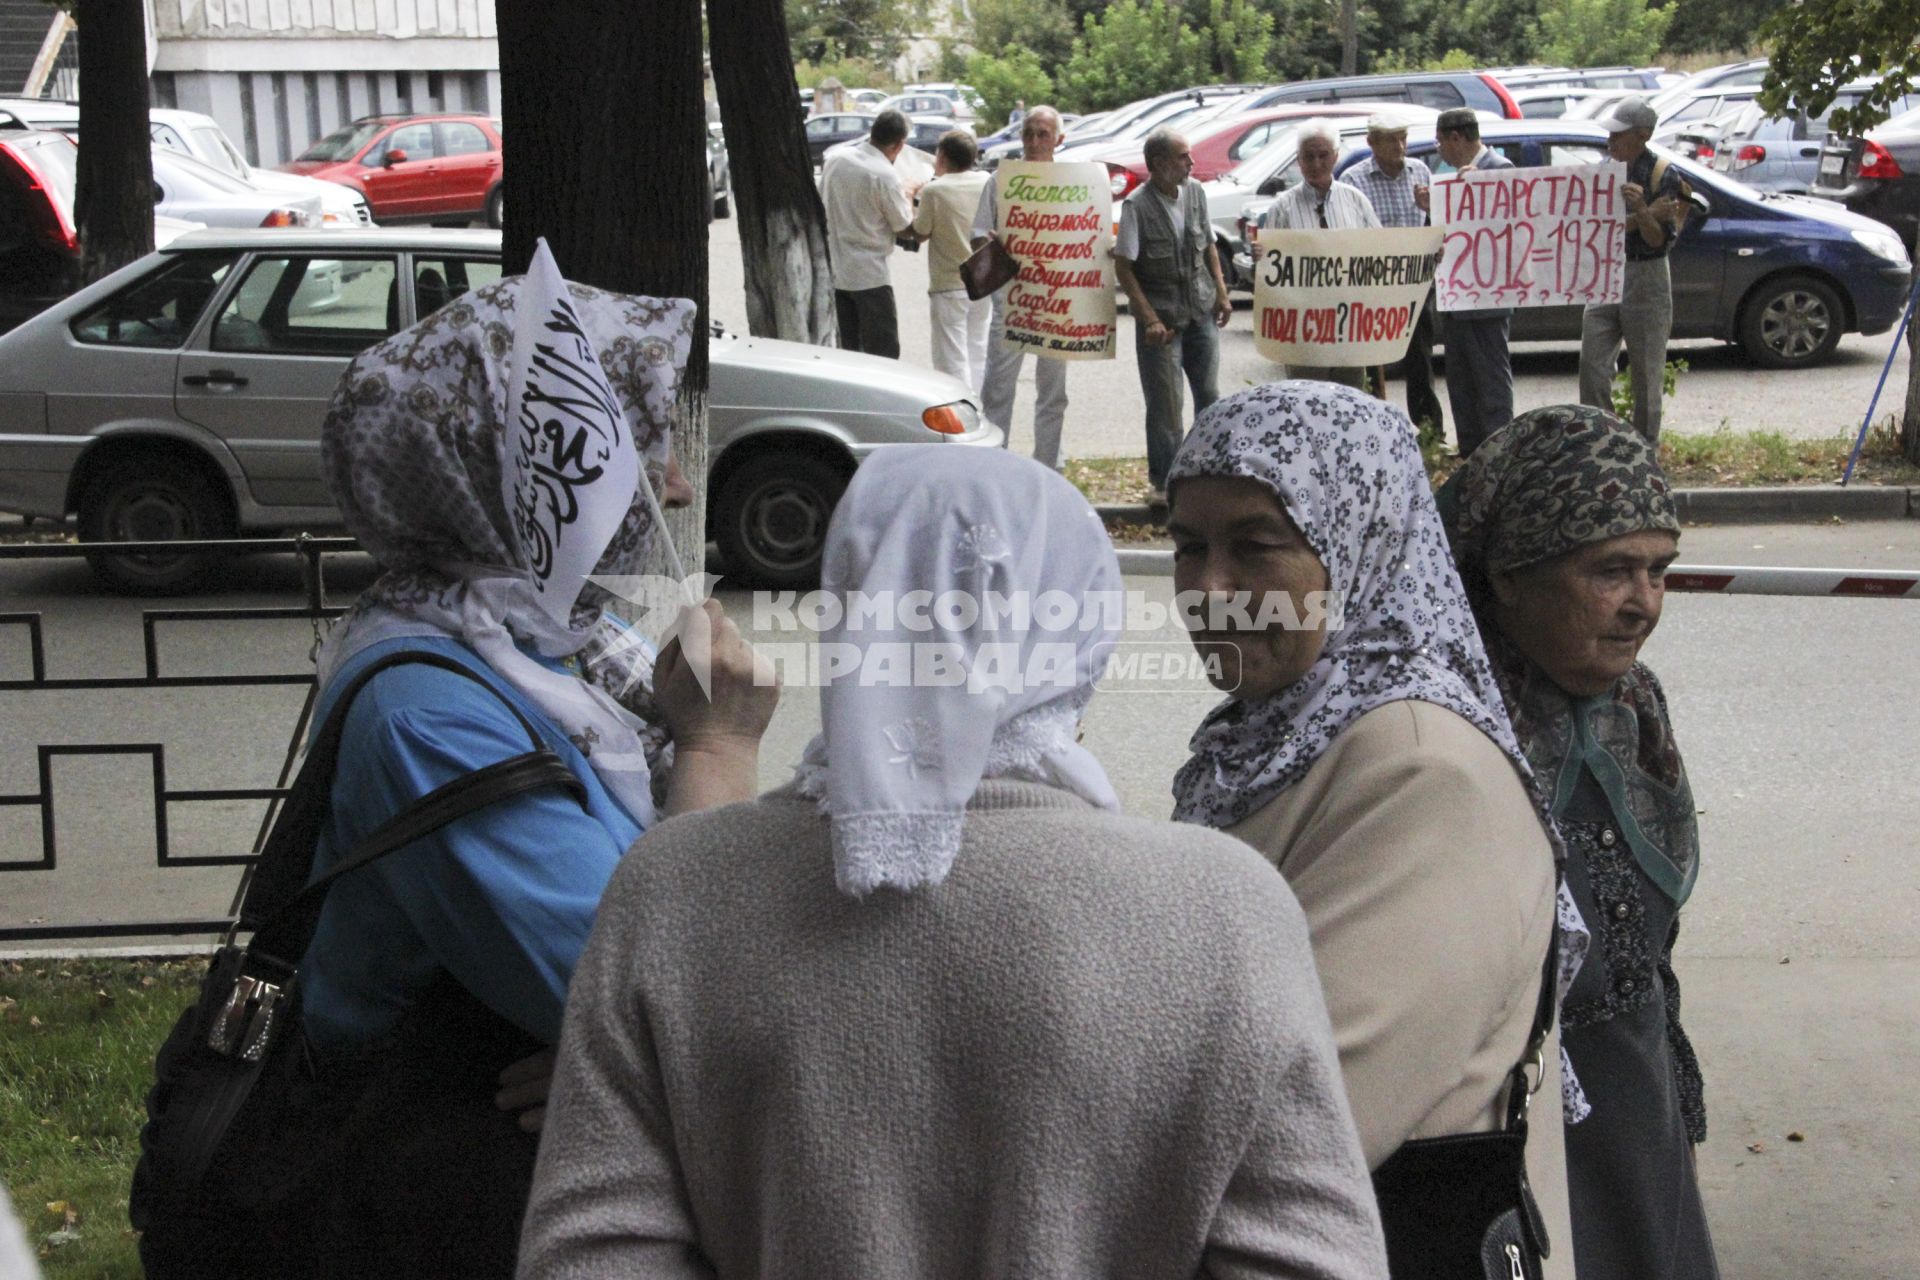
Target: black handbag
{"x":242,"y":1124}
{"x":1460,"y":1207}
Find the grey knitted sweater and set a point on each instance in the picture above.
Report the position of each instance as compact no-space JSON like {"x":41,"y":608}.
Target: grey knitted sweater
{"x":1098,"y":1049}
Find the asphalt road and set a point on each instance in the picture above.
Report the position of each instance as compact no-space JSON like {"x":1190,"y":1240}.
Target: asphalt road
{"x":1721,"y":387}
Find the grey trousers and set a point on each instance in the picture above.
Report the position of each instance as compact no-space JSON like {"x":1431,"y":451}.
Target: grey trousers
{"x":1479,"y":376}
{"x":1003,"y":376}
{"x":1642,"y":320}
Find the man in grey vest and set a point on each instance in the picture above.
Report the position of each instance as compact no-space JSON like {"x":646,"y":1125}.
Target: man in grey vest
{"x":1166,"y":261}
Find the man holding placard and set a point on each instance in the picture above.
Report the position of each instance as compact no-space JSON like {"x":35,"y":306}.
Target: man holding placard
{"x":1399,"y":189}
{"x":1320,"y":203}
{"x":1166,"y":261}
{"x":1479,"y":370}
{"x":1643,"y":317}
{"x":1040,"y":133}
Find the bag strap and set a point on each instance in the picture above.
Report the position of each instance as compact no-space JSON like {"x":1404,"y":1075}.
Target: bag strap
{"x":1520,"y":1095}
{"x":286,"y":863}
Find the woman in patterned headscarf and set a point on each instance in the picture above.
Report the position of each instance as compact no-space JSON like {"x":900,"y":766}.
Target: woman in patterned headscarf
{"x":437,"y":974}
{"x":1563,"y":525}
{"x":1364,"y":751}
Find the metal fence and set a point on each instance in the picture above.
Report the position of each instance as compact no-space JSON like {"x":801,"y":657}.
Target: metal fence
{"x":314,"y":609}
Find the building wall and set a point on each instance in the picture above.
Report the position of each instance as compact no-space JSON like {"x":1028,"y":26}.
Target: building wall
{"x":323,"y":19}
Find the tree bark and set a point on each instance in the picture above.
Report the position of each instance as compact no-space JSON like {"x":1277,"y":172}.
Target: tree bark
{"x":1349,"y":37}
{"x":783,"y":228}
{"x":605,"y":156}
{"x":113,"y":180}
{"x":1910,"y":419}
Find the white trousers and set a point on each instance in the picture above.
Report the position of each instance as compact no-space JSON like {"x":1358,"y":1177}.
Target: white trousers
{"x":960,"y":328}
{"x":1003,"y":375}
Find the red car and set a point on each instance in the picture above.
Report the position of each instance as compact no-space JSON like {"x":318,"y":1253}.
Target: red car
{"x":1218,"y":144}
{"x":414,"y":168}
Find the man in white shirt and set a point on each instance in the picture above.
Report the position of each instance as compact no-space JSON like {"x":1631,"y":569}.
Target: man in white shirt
{"x":945,"y":220}
{"x":1040,"y":133}
{"x":866,"y":208}
{"x":1319,"y":203}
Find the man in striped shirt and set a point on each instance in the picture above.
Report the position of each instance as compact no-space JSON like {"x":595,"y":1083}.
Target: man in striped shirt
{"x":1397,"y":187}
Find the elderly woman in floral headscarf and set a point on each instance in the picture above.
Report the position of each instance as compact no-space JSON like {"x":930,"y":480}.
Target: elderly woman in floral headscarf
{"x":1365,"y":752}
{"x":488,"y":497}
{"x":939,"y":1011}
{"x":1564,"y":526}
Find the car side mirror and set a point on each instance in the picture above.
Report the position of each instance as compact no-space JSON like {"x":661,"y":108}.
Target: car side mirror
{"x":394,"y":157}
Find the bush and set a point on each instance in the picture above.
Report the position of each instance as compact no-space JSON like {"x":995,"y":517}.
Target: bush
{"x":1599,"y":33}
{"x":1623,"y":388}
{"x":1001,"y":82}
{"x":854,"y":73}
{"x":1133,"y":51}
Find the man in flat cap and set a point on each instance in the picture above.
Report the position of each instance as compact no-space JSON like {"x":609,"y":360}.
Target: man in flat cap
{"x":1656,"y":201}
{"x":1398,"y":189}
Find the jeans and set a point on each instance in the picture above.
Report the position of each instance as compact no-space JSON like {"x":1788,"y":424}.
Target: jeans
{"x":1195,"y":350}
{"x":960,"y":328}
{"x":868,"y":321}
{"x":1003,"y":377}
{"x":1641,"y":320}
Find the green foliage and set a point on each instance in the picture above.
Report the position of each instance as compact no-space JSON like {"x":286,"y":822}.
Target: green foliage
{"x":1820,"y":45}
{"x":854,"y":73}
{"x":1242,"y":35}
{"x":1044,"y":28}
{"x":1623,"y":387}
{"x":1003,"y":81}
{"x":1437,"y":34}
{"x":1451,"y":60}
{"x":1702,"y":26}
{"x":1133,"y":51}
{"x":821,"y":30}
{"x":1584,"y":33}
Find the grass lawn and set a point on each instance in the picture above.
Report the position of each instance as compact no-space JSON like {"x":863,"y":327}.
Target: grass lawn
{"x":1724,"y":458}
{"x":77,"y":1040}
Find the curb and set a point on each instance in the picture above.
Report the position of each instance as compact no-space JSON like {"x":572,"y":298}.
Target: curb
{"x":1749,"y":505}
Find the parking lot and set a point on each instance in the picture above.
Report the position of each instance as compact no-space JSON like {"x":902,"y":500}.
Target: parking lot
{"x":1721,"y":387}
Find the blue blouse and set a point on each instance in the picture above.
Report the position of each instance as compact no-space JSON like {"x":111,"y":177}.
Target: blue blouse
{"x":501,"y":899}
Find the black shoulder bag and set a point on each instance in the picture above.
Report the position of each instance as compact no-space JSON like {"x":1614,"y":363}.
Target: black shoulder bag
{"x":242,"y":1123}
{"x":1460,"y":1207}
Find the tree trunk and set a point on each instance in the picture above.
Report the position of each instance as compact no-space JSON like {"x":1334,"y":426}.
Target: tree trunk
{"x":1910,"y":419}
{"x":783,"y":229}
{"x":113,"y":181}
{"x":605,"y":128}
{"x":1349,"y":37}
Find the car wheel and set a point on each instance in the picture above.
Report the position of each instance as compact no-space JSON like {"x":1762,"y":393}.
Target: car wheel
{"x":496,"y":207}
{"x":153,"y":499}
{"x":770,"y":518}
{"x":1791,"y":322}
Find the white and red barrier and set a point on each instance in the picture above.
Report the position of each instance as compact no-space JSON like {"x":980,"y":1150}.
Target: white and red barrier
{"x":1728,"y":580}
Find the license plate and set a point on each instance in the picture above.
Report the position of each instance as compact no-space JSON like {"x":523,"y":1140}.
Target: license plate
{"x":1833,"y":166}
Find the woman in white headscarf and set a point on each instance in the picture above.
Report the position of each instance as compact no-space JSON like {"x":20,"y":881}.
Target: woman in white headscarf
{"x":1365,"y":751}
{"x":434,"y":969}
{"x":938,"y":1009}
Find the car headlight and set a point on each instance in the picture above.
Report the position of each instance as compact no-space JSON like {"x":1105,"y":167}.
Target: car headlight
{"x":1883,"y":244}
{"x":955,"y":419}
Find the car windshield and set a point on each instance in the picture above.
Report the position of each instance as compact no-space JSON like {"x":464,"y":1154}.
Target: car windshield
{"x":1704,"y":179}
{"x":343,"y":144}
{"x":1252,"y":171}
{"x":214,"y":143}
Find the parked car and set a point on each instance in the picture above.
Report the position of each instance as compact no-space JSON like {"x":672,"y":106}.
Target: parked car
{"x":419,"y":168}
{"x":867,"y":99}
{"x":1876,"y":174}
{"x":1551,"y":102}
{"x":185,"y":188}
{"x":1697,"y":106}
{"x":1729,"y":75}
{"x":61,"y":115}
{"x":190,"y":388}
{"x":1217,"y":145}
{"x":832,"y":130}
{"x":39,"y":249}
{"x":1783,"y":277}
{"x":1782,"y":153}
{"x":1439,"y":90}
{"x":719,"y":173}
{"x":928,"y":104}
{"x":201,"y":137}
{"x":965,"y":96}
{"x":924,"y":132}
{"x":1132,"y":120}
{"x":1634,"y":79}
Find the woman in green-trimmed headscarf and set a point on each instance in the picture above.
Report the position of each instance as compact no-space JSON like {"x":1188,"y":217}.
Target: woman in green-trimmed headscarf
{"x":1563,"y":526}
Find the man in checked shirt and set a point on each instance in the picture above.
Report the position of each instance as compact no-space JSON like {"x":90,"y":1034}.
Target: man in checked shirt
{"x":1397,"y":188}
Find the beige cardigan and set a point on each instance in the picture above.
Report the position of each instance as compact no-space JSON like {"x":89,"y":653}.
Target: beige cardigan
{"x":1428,"y":888}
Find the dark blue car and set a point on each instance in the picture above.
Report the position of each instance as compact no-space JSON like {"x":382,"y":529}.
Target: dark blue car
{"x":1782,"y":276}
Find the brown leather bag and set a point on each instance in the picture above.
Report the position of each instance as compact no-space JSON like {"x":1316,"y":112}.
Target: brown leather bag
{"x":987,"y":268}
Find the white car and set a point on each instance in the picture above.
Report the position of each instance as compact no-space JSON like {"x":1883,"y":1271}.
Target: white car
{"x":201,"y":137}
{"x":182,"y":397}
{"x":186,"y":188}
